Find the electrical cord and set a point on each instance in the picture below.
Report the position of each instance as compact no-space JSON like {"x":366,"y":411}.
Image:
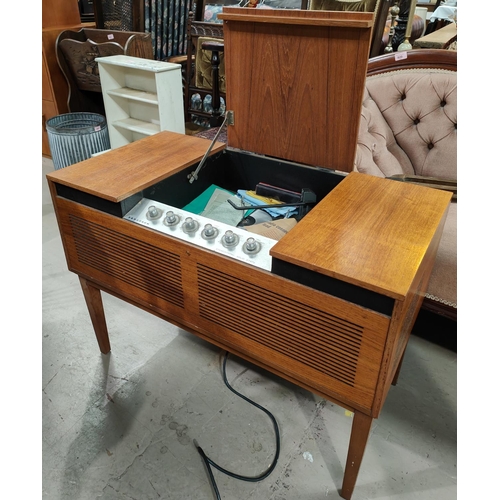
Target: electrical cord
{"x":210,"y":463}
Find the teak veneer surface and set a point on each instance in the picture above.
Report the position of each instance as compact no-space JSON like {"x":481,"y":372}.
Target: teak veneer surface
{"x":305,"y":17}
{"x":124,"y":171}
{"x":219,"y":316}
{"x":295,"y":83}
{"x":368,"y":231}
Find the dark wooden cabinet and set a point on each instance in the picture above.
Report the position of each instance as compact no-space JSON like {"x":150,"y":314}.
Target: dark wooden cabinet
{"x":121,"y":15}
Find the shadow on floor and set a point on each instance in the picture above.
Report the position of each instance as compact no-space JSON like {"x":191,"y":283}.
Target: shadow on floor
{"x":436,"y":329}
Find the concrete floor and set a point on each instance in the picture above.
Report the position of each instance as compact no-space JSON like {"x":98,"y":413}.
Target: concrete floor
{"x":121,"y":426}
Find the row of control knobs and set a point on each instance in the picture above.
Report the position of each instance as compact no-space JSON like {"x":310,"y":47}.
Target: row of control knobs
{"x":229,"y":239}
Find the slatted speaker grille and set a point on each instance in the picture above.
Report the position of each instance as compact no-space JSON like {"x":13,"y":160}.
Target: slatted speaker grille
{"x":139,"y":264}
{"x":305,"y":334}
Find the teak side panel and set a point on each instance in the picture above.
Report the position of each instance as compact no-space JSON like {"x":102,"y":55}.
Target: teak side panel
{"x":163,"y":275}
{"x":124,"y":171}
{"x":347,"y":63}
{"x":296,"y":90}
{"x":403,"y":318}
{"x":368,"y":231}
{"x":267,"y":327}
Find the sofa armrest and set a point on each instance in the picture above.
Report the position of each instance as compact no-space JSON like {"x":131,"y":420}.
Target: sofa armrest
{"x":432,"y":182}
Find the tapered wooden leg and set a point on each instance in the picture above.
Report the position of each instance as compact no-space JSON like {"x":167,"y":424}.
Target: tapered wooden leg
{"x":396,"y":375}
{"x":96,"y":310}
{"x":357,"y":444}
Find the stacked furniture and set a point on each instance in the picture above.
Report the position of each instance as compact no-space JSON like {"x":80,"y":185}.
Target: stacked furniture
{"x":199,"y":73}
{"x":76,"y":55}
{"x":141,"y":97}
{"x":57,"y":15}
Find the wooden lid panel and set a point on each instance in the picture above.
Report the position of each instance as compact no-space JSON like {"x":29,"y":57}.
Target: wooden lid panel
{"x":124,"y":171}
{"x":353,"y":19}
{"x":368,"y":231}
{"x":295,"y":83}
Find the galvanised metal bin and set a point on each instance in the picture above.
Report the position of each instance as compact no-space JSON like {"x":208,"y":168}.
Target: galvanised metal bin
{"x":74,"y":137}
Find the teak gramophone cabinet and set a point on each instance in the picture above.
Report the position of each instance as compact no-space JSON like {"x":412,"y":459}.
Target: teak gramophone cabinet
{"x":349,"y":277}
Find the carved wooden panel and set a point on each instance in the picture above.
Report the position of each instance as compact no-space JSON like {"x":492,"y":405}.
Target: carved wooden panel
{"x":80,"y":57}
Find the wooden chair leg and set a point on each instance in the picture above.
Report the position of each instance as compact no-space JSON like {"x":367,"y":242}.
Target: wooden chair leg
{"x":216,"y":48}
{"x":357,"y":444}
{"x":96,"y":310}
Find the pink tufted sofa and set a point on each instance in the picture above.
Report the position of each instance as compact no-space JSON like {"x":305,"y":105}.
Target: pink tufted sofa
{"x":409,"y":128}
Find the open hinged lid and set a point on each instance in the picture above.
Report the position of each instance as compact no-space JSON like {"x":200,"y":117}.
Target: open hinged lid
{"x":295,"y":82}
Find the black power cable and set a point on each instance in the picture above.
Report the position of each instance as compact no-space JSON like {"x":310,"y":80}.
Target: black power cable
{"x":210,"y":463}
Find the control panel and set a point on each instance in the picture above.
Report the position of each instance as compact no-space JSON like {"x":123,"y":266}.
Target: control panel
{"x":217,"y":236}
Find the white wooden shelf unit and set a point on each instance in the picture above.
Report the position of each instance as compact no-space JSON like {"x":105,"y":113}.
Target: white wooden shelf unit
{"x":141,"y":97}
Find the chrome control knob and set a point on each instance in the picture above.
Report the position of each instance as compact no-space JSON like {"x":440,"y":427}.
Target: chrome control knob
{"x":209,"y":232}
{"x":251,"y":246}
{"x":230,"y":239}
{"x":171,"y":219}
{"x":153,"y":213}
{"x":190,"y":225}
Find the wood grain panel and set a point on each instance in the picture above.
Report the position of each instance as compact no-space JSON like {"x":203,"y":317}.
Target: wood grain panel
{"x":403,"y":318}
{"x":122,"y":257}
{"x":333,"y":349}
{"x":124,"y":171}
{"x":105,"y":250}
{"x":368,"y":231}
{"x":312,"y":337}
{"x":346,"y":70}
{"x":296,"y":88}
{"x":292,"y":17}
{"x":277,"y":302}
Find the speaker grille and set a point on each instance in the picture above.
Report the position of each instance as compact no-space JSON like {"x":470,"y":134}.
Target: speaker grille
{"x":305,"y":334}
{"x":132,"y":261}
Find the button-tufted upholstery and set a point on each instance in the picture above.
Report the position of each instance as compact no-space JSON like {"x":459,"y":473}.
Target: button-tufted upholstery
{"x":409,"y":126}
